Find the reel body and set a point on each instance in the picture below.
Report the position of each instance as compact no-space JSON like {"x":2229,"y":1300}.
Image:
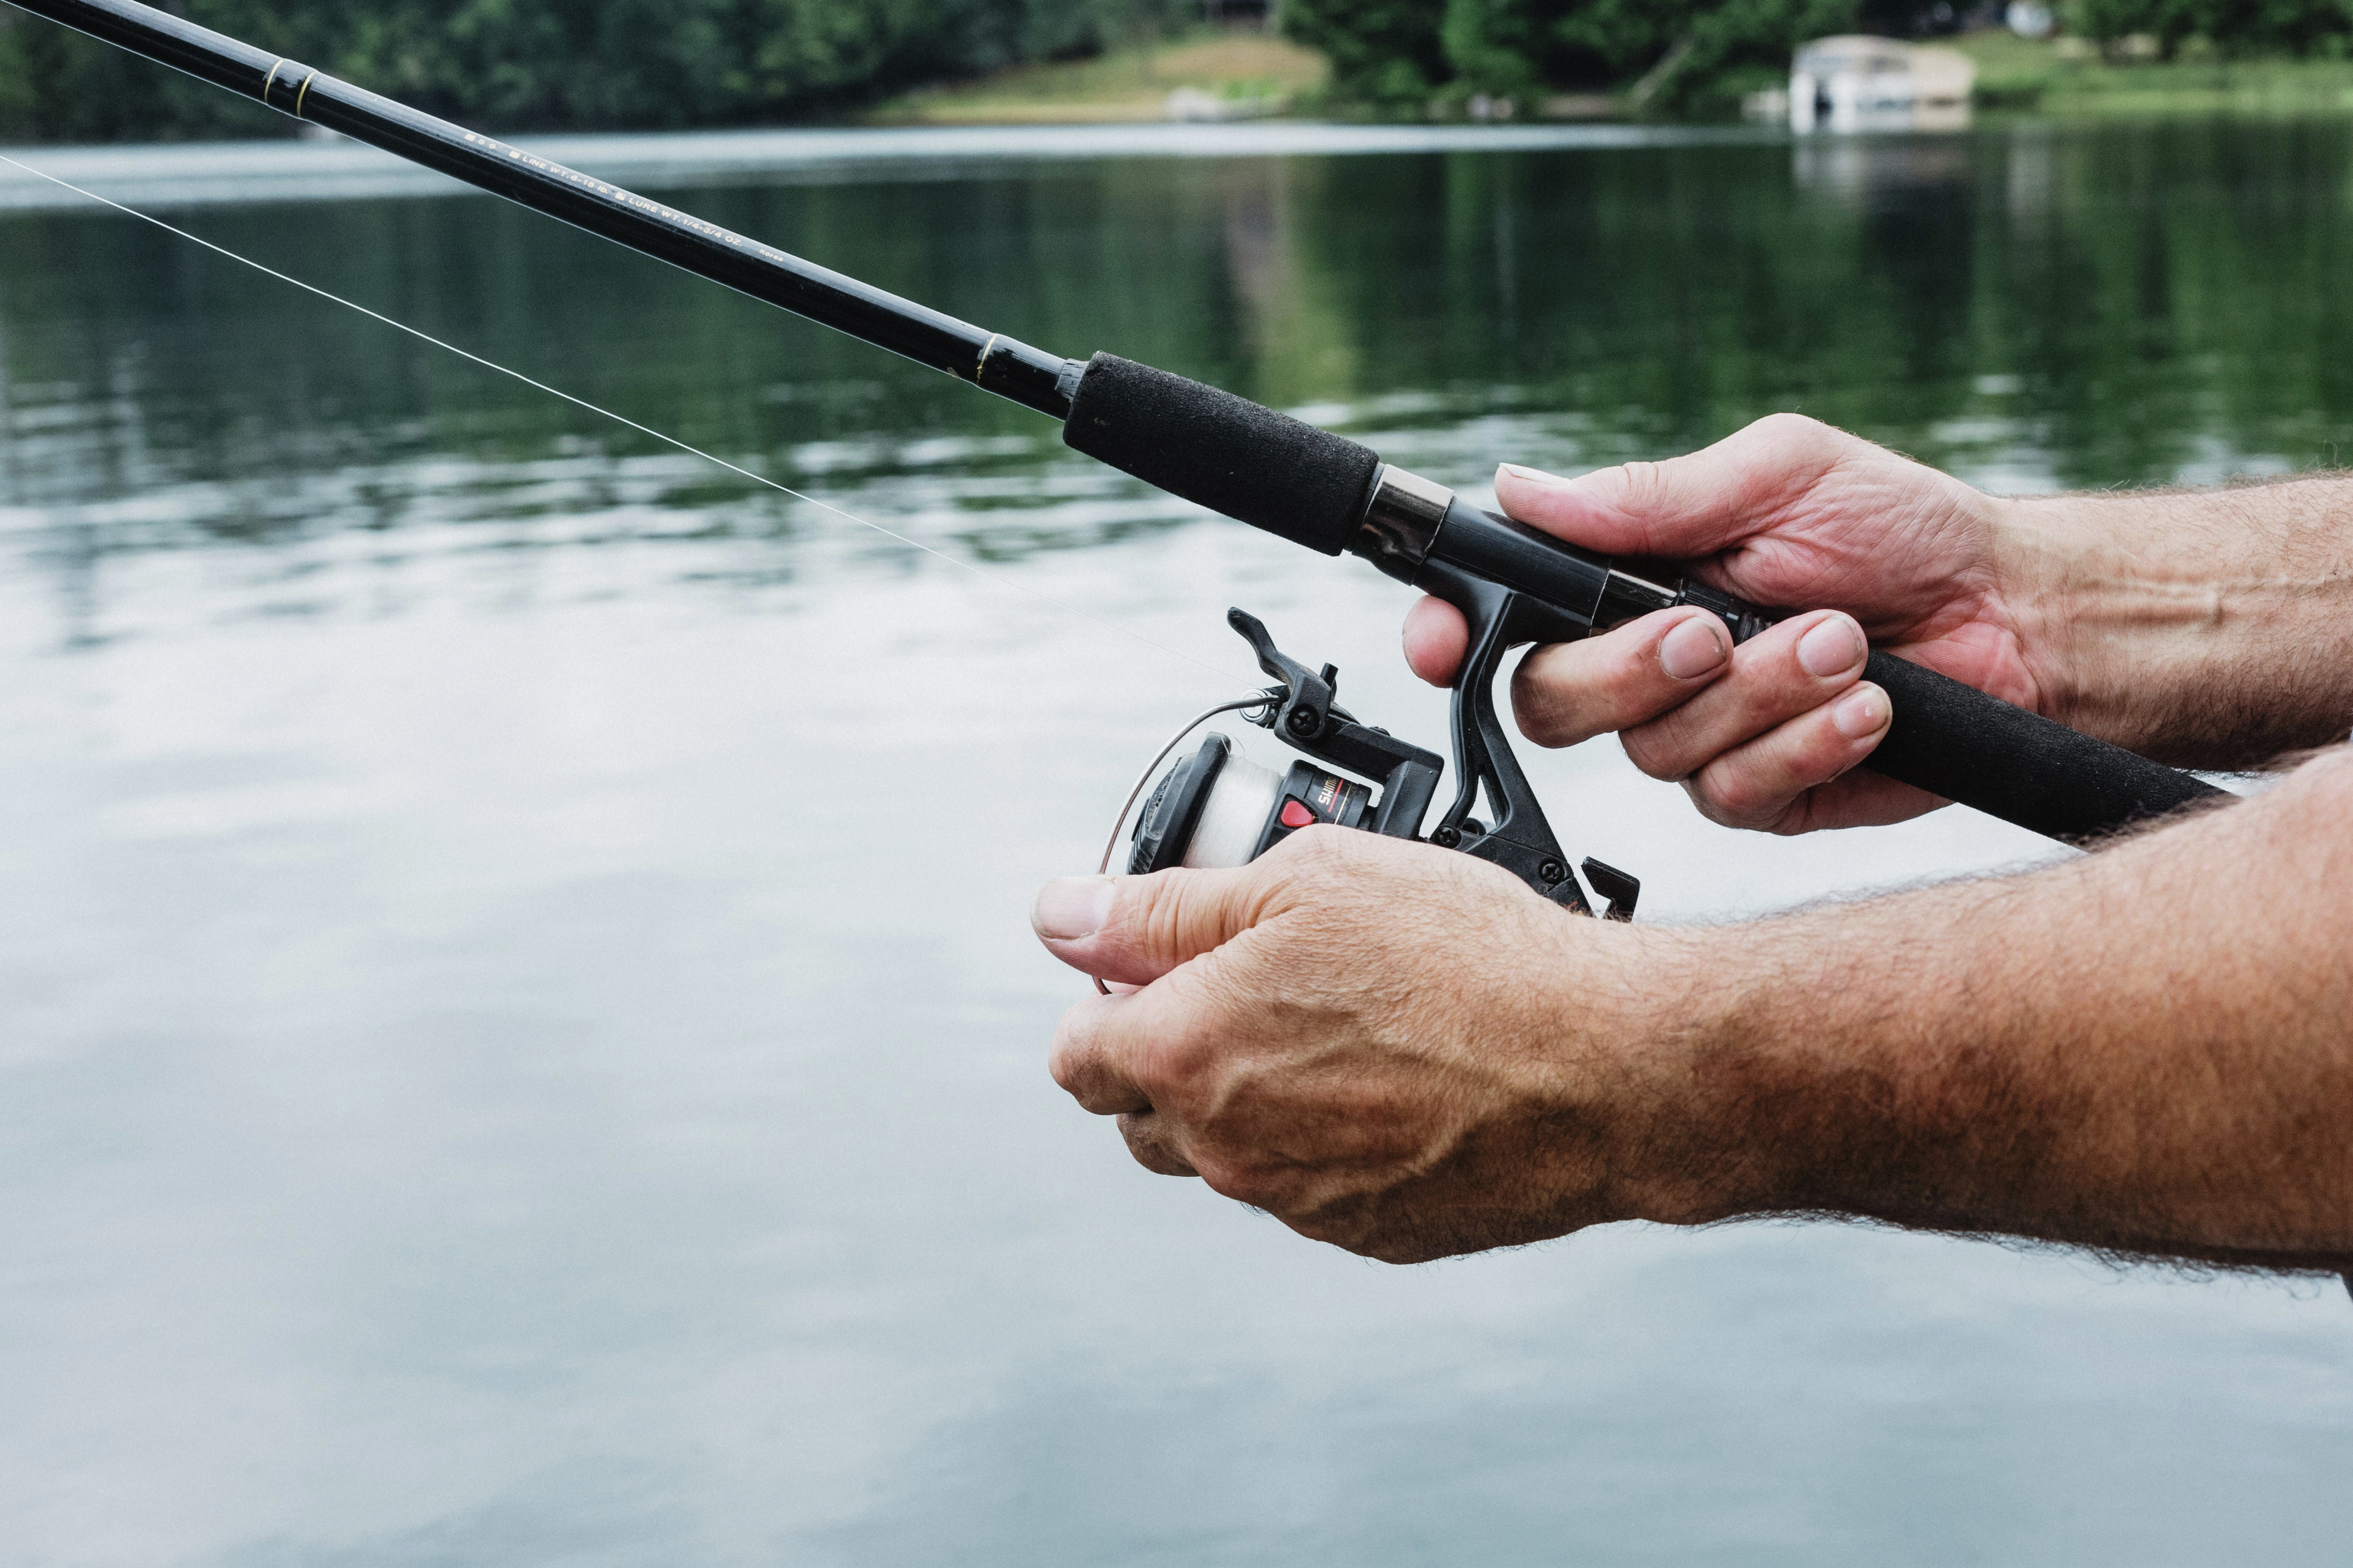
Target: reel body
{"x":1217,"y":808}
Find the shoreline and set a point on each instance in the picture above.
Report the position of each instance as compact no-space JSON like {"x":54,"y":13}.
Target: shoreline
{"x":173,"y":175}
{"x":200,"y":174}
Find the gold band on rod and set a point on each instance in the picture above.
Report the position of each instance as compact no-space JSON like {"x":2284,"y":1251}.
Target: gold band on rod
{"x":304,"y":93}
{"x":987,"y":348}
{"x":271,"y":80}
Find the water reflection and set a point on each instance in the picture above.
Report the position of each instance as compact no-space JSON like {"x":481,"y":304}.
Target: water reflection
{"x":2163,"y":304}
{"x":522,"y":1045}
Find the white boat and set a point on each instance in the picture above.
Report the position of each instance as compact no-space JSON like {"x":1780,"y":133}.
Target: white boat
{"x":1855,"y":82}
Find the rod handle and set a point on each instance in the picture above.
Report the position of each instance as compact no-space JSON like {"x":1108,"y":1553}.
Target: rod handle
{"x":1222,"y":452}
{"x":1954,"y":740}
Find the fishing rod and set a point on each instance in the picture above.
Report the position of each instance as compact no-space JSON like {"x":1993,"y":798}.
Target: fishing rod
{"x":1515,"y":584}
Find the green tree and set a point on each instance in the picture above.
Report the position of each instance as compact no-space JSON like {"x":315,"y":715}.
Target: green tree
{"x":2239,"y":26}
{"x":1382,"y":51}
{"x":1516,"y":47}
{"x":1513,"y":47}
{"x":1742,"y":43}
{"x":17,"y":99}
{"x":1401,"y":53}
{"x":562,"y":64}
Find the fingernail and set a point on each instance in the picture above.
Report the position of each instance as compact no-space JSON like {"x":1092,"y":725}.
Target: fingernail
{"x":1532,"y":476}
{"x":1692,"y":648}
{"x":1071,"y":908}
{"x":1833,"y":647}
{"x":1861,"y":712}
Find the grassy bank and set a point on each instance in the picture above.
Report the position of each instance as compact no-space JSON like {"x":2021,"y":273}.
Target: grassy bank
{"x":1251,"y":70}
{"x":2067,"y":77}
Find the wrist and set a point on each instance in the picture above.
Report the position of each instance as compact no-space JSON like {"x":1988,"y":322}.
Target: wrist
{"x":2191,"y":626}
{"x":2063,"y":583}
{"x":1674,"y":1044}
{"x":1774,"y":1075}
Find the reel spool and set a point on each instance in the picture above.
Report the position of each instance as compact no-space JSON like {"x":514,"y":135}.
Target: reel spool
{"x":1217,"y":808}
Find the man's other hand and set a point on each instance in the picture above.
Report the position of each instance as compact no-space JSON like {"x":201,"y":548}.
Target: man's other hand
{"x":1789,"y":514}
{"x":1388,"y":1046}
{"x":1402,"y":1050}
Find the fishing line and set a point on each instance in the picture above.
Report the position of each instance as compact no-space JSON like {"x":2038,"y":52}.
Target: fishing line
{"x":989,"y":577}
{"x":1111,"y":845}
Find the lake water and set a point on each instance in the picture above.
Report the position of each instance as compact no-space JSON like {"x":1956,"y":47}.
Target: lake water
{"x":522,"y":1043}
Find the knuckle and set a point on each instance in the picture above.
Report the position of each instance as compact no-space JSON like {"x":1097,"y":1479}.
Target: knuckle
{"x":1541,"y":729}
{"x":1785,"y":428}
{"x":1657,"y":751}
{"x":1161,"y":1070}
{"x":1148,"y":1140}
{"x":1069,"y":1061}
{"x":1148,"y":1153}
{"x":1254,"y":1189}
{"x":1822,"y":757}
{"x":1239,"y":1179}
{"x":1318,"y":853}
{"x":1540,"y":709}
{"x":1179,"y":1059}
{"x":1795,"y":448}
{"x":1705,"y":806}
{"x":1735,"y":798}
{"x":1182,"y":1061}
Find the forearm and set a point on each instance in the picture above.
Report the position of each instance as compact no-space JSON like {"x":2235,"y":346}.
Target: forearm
{"x":2147,"y":1049}
{"x":2207,"y":628}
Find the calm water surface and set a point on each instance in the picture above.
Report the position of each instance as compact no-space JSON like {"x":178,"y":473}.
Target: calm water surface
{"x":522,"y":1043}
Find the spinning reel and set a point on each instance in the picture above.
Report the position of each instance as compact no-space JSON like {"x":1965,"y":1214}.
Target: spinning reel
{"x":1217,"y":808}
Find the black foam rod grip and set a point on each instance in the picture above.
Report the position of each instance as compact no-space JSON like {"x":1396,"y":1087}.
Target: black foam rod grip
{"x":1954,"y":740}
{"x":1228,"y":453}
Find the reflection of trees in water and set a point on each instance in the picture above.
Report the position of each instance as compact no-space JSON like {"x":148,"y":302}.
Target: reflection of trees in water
{"x":2174,"y":295}
{"x":2095,"y":307}
{"x":1303,"y":351}
{"x":2086,"y":308}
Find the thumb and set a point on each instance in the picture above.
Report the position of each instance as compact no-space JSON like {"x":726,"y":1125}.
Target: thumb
{"x":1686,"y":508}
{"x":1134,"y":930}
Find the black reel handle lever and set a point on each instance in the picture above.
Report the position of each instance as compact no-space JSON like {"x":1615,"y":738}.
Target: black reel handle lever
{"x":1521,"y":838}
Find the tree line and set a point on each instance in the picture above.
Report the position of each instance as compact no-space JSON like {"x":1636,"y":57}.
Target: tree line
{"x":2237,"y":26}
{"x":1699,"y":56}
{"x":555,"y":65}
{"x":1395,"y":52}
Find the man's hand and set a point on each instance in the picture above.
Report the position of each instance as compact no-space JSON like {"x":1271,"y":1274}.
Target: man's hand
{"x":2206,"y":628}
{"x":1788,"y":512}
{"x":1402,"y":1050}
{"x":1381,"y":1044}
